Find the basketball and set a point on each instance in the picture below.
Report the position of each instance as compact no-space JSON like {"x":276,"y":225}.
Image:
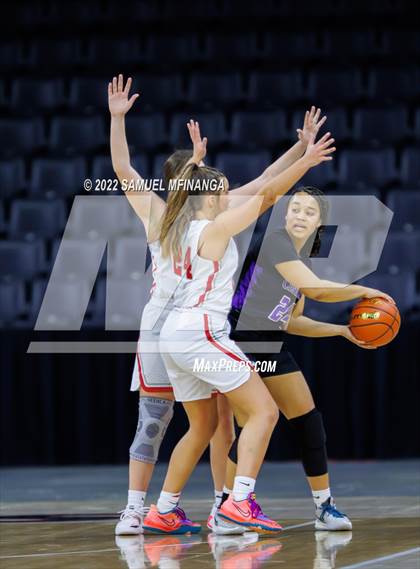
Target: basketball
{"x":375,"y":321}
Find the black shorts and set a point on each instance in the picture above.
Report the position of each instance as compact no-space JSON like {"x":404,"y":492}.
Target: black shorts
{"x":269,"y":364}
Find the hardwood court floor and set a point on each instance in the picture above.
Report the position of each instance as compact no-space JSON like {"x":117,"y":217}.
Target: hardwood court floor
{"x":65,"y":519}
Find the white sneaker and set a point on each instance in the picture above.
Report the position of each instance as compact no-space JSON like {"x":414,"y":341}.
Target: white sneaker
{"x":327,"y":546}
{"x":219,"y":526}
{"x":328,"y":518}
{"x":131,"y":521}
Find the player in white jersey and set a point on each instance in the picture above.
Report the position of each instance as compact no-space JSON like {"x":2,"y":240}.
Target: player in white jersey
{"x":149,"y":373}
{"x":197,"y":232}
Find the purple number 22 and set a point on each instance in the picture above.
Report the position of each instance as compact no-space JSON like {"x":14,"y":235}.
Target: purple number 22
{"x":280,"y":312}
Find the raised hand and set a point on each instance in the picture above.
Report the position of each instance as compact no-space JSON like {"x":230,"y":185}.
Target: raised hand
{"x":346,"y":333}
{"x":199,"y":144}
{"x":311,"y":125}
{"x":118,"y":101}
{"x":319,"y":152}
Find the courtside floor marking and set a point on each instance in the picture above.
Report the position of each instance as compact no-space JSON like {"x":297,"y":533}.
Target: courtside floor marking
{"x":385,"y":558}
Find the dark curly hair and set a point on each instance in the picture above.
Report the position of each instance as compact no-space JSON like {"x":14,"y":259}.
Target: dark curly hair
{"x":319,"y":196}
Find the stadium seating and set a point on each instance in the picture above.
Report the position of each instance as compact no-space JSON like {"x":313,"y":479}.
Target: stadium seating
{"x":400,"y":251}
{"x":12,"y":297}
{"x":215,"y":89}
{"x":410,"y":166}
{"x":76,"y":134}
{"x":273,"y":88}
{"x":57,"y":176}
{"x":212,"y":125}
{"x":158,"y":91}
{"x":242,"y":167}
{"x":393,"y":83}
{"x":401,"y":286}
{"x":406,"y":208}
{"x":380,"y":126}
{"x":256,"y":130}
{"x":36,"y":218}
{"x":146,"y":131}
{"x":37,"y":94}
{"x":21,"y":136}
{"x":366,"y":168}
{"x":21,"y":259}
{"x":11,"y":177}
{"x":328,"y":86}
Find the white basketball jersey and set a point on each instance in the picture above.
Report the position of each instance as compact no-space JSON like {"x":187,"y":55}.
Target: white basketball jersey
{"x":206,"y":286}
{"x":165,"y":279}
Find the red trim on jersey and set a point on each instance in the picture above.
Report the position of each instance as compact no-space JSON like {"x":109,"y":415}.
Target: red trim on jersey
{"x":220,"y":347}
{"x":210,"y":282}
{"x":142,"y":382}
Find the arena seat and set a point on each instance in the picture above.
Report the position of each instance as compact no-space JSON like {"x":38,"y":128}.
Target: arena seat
{"x":383,"y":126}
{"x":61,"y":176}
{"x":21,"y":136}
{"x":11,"y":177}
{"x":76,"y":134}
{"x":215,"y":89}
{"x":37,"y":94}
{"x":275,"y":87}
{"x":410,"y":166}
{"x":36,"y":218}
{"x":146,"y":131}
{"x":12,"y":300}
{"x":406,"y":208}
{"x":393,"y":83}
{"x":334,"y":86}
{"x":257,"y":130}
{"x":366,"y":167}
{"x":21,"y":259}
{"x":212,"y":125}
{"x":242,"y":167}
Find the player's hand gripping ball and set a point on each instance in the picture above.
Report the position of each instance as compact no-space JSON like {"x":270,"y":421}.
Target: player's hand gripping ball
{"x":375,"y":321}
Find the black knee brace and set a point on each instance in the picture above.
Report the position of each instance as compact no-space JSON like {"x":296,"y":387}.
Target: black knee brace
{"x":312,"y":438}
{"x":233,"y":453}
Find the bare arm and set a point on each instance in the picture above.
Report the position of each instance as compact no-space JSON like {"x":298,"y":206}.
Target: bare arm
{"x":300,"y":325}
{"x":216,"y":235}
{"x":311,"y":126}
{"x":151,"y":209}
{"x":301,"y":277}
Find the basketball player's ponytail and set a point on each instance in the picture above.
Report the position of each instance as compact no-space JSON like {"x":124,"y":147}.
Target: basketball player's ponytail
{"x":180,"y":210}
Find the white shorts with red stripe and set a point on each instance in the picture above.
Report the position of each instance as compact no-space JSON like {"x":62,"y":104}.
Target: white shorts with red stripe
{"x":149,"y":371}
{"x":200,"y":357}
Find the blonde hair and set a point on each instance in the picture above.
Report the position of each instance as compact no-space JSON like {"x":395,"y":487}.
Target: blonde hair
{"x":180,"y":210}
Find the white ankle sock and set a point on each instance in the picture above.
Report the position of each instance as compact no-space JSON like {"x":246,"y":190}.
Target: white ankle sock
{"x":242,"y":486}
{"x":218,"y":495}
{"x":167,"y":501}
{"x":136,"y":499}
{"x":320,"y":496}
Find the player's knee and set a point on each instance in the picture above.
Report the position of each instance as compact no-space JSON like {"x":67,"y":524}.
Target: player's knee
{"x":154,"y":417}
{"x":270,"y":414}
{"x":312,"y":437}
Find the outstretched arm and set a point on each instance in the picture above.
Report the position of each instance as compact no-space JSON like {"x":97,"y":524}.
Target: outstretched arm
{"x":301,"y":277}
{"x":311,"y":125}
{"x":232,"y":221}
{"x":149,"y":210}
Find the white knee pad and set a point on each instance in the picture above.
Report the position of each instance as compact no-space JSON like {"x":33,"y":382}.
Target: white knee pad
{"x":154,"y":418}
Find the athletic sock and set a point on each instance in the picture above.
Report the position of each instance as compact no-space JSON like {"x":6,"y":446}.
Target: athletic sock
{"x":242,"y":486}
{"x":321,"y":496}
{"x":226,"y":493}
{"x":136,"y":499}
{"x":218,"y":495}
{"x":167,"y":501}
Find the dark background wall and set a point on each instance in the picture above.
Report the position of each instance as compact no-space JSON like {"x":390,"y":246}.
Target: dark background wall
{"x":221,"y":62}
